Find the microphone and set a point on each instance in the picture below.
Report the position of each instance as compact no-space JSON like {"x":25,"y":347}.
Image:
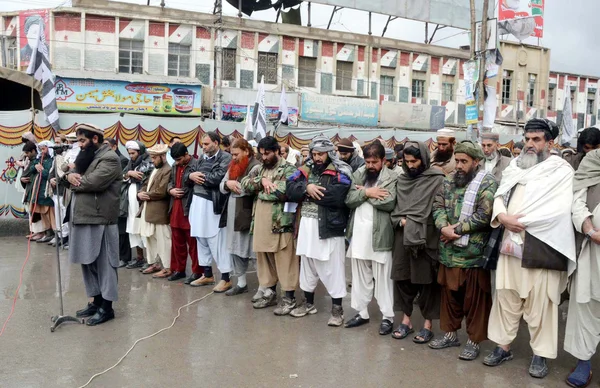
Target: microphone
{"x":61,"y":146}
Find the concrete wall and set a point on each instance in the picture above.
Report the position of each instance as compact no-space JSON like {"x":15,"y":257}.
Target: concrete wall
{"x":581,"y":89}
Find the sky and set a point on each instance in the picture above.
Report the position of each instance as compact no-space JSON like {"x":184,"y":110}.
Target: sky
{"x":570,"y":29}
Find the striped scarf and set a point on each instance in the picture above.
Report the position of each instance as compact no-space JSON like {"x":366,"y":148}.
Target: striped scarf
{"x":469,"y":205}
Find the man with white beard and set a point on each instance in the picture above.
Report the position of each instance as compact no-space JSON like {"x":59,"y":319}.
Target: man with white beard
{"x":533,"y":203}
{"x":494,"y":162}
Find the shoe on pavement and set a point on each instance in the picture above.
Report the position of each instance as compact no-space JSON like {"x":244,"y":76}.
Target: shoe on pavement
{"x":258,"y":296}
{"x":269,"y":299}
{"x":100,"y":317}
{"x":194,"y":276}
{"x":337,"y":316}
{"x":121,"y":262}
{"x":90,"y":310}
{"x":497,"y":357}
{"x":356,"y":321}
{"x":135,"y":263}
{"x":52,"y":242}
{"x":176,"y":276}
{"x":303,"y":310}
{"x":222,"y":287}
{"x":285,"y":306}
{"x":45,"y":239}
{"x":538,"y":368}
{"x":165,"y":273}
{"x":236,"y":290}
{"x":203,"y":281}
{"x":152,"y":269}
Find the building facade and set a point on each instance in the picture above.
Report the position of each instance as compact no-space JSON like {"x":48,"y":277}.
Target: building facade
{"x":355,"y":75}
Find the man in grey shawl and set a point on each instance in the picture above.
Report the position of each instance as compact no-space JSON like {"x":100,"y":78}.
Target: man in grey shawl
{"x":321,"y":186}
{"x":583,"y":322}
{"x":415,"y":259}
{"x":94,"y":208}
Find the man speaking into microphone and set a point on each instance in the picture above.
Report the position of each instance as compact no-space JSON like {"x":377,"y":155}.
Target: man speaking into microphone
{"x":94,"y":207}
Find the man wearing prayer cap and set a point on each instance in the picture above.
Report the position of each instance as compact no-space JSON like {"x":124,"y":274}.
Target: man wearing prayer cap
{"x":321,"y":186}
{"x":95,"y":183}
{"x":494,"y":162}
{"x":154,"y":214}
{"x":537,"y":249}
{"x":135,"y":175}
{"x":391,"y":161}
{"x":349,"y":154}
{"x":443,"y":156}
{"x":462,"y":210}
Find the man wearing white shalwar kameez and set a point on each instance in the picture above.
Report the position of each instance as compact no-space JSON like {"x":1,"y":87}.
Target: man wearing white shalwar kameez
{"x":583,"y":321}
{"x":135,"y":175}
{"x":208,"y":215}
{"x":154,"y":220}
{"x":372,"y":198}
{"x":533,"y":202}
{"x":321,"y":186}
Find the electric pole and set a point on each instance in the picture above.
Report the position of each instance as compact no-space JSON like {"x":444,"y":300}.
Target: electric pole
{"x":482,"y":50}
{"x":218,"y":97}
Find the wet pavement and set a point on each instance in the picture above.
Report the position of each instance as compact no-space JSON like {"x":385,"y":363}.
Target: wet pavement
{"x":218,"y":342}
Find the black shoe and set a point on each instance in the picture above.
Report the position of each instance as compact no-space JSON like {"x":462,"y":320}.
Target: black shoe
{"x":45,"y":239}
{"x":386,"y":327}
{"x":538,"y":367}
{"x":135,"y":263}
{"x":356,"y":321}
{"x":122,"y":264}
{"x":192,"y":277}
{"x":176,"y":276}
{"x":497,"y":357}
{"x":90,"y":310}
{"x":101,"y":316}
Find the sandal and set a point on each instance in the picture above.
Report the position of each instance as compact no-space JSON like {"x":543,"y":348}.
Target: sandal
{"x":402,"y":331}
{"x":470,"y":352}
{"x":570,"y":384}
{"x":443,"y":343}
{"x":423,"y":336}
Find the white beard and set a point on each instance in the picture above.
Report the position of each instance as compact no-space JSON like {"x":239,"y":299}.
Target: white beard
{"x":527,"y":160}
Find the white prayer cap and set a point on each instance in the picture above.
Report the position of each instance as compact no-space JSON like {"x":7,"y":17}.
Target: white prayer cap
{"x":132,"y":145}
{"x":445,"y":132}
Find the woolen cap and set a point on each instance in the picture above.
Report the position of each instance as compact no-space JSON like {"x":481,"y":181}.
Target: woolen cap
{"x":158,"y":149}
{"x":91,"y":128}
{"x":469,"y":148}
{"x":345,"y":145}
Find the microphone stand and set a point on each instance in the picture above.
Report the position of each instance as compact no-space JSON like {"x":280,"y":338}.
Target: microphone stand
{"x":57,"y":320}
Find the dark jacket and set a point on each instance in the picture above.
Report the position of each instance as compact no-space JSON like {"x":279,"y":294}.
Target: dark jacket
{"x":146,"y":167}
{"x":36,"y":192}
{"x":157,"y":208}
{"x":333,"y":212}
{"x":356,"y":162}
{"x":188,"y":189}
{"x":97,"y":197}
{"x":123,"y":159}
{"x":244,"y":203}
{"x":211,"y":184}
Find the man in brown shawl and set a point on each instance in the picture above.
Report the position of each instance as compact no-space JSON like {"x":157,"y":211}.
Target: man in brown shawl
{"x":415,"y":263}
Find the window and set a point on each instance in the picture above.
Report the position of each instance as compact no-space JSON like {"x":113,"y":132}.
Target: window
{"x":343,"y":75}
{"x":531,"y":90}
{"x":591,"y":103}
{"x":387,"y":85}
{"x":179,"y":60}
{"x":551,"y":94}
{"x":131,"y":56}
{"x":11,"y":55}
{"x":267,"y":66}
{"x":448,"y":88}
{"x":229,"y":64}
{"x":506,"y":86}
{"x":307,"y":69}
{"x":418,"y":84}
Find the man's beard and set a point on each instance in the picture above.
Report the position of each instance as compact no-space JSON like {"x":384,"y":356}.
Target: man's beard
{"x":444,"y":156}
{"x":238,"y":168}
{"x":270,"y":163}
{"x":490,"y":156}
{"x":371,"y":177}
{"x":59,"y":151}
{"x":415,"y":172}
{"x":527,"y":160}
{"x":160,"y":164}
{"x":462,"y":179}
{"x":85,"y":158}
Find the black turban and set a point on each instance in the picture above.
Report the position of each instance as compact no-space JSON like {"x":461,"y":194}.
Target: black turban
{"x":542,"y":125}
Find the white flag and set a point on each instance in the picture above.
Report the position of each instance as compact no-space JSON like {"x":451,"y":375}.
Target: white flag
{"x":283,"y":107}
{"x":568,"y":131}
{"x":40,"y":68}
{"x":259,"y":116}
{"x":248,"y":128}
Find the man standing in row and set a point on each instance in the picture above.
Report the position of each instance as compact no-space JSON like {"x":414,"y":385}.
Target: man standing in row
{"x":124,"y":246}
{"x":372,"y":198}
{"x":321,"y":186}
{"x":415,"y":263}
{"x":96,"y":185}
{"x":239,"y":212}
{"x":154,"y":217}
{"x":533,"y":203}
{"x":391,"y":161}
{"x":462,"y":211}
{"x":182,"y":243}
{"x":206,"y":213}
{"x":39,"y":198}
{"x":583,"y":321}
{"x":494,"y":163}
{"x":349,"y":154}
{"x":443,"y":157}
{"x":273,"y":228}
